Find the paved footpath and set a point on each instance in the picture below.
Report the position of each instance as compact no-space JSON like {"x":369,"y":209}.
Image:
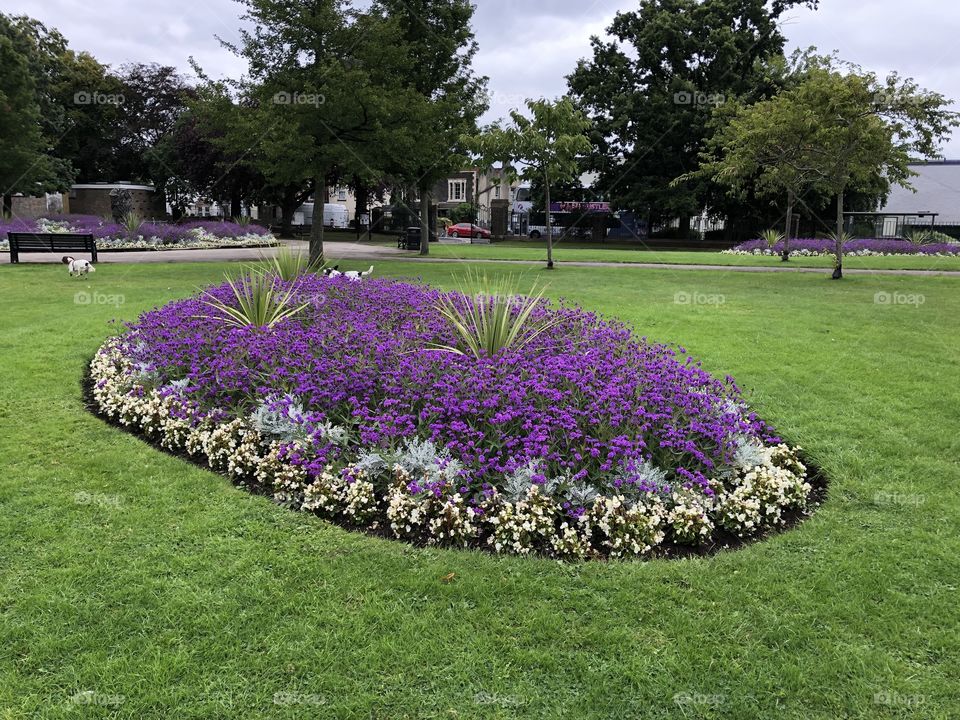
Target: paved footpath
{"x":373,"y":253}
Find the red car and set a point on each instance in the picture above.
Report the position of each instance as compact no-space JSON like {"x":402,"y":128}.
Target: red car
{"x":467,"y":230}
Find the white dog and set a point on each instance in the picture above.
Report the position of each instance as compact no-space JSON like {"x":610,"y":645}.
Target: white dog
{"x":78,"y":268}
{"x":354,"y":275}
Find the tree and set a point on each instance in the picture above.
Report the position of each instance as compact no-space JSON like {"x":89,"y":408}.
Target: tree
{"x":546,"y":146}
{"x":831,"y":133}
{"x":649,"y":92}
{"x":90,"y":99}
{"x":760,"y":148}
{"x":445,"y":99}
{"x":26,"y":163}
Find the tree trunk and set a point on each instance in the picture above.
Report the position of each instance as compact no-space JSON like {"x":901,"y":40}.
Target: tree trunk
{"x":546,"y":205}
{"x":791,"y":201}
{"x":287,"y":210}
{"x":316,"y":229}
{"x":236,"y":205}
{"x":424,"y":221}
{"x":362,"y":200}
{"x":838,"y":241}
{"x":683,"y":227}
{"x":7,"y":206}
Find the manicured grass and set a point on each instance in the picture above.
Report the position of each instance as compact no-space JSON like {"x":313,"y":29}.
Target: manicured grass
{"x":158,"y":586}
{"x":570,"y":251}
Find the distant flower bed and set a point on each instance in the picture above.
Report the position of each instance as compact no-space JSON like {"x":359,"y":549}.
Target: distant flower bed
{"x":148,"y":236}
{"x":583,"y":442}
{"x":805,"y":247}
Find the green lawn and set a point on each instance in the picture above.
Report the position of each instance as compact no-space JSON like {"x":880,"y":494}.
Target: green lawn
{"x":162,"y":591}
{"x":572,"y":251}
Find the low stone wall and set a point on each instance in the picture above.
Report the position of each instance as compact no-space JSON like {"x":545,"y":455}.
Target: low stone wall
{"x":34,"y":207}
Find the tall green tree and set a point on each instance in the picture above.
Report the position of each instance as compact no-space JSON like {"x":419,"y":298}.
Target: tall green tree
{"x":649,"y":92}
{"x":27,"y":164}
{"x":838,"y":130}
{"x":323,"y":72}
{"x":443,"y":98}
{"x":547,"y":146}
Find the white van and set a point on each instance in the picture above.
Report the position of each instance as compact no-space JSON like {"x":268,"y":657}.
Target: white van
{"x":335,"y":216}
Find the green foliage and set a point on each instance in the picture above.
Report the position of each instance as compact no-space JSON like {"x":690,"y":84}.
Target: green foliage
{"x":919,"y":236}
{"x":771,"y":237}
{"x":131,"y":222}
{"x":258,"y":302}
{"x":546,"y":146}
{"x":650,"y":87}
{"x":25,"y":165}
{"x":496,"y":318}
{"x":288,"y":264}
{"x":837,"y":129}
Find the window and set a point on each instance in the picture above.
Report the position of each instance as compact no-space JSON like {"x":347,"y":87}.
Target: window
{"x":496,"y":192}
{"x":341,"y":193}
{"x":457,"y":190}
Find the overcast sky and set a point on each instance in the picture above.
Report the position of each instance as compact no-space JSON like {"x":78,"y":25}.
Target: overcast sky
{"x":526,"y":46}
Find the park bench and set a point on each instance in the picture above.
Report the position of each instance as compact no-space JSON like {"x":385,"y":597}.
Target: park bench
{"x":51,"y":242}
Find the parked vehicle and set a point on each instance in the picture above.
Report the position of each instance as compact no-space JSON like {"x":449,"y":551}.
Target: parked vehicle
{"x":535,"y":232}
{"x":466,"y":230}
{"x":334,"y":215}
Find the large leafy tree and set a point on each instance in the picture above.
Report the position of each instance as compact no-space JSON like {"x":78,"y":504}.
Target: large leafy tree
{"x":650,"y":89}
{"x":90,"y":97}
{"x":840,"y":129}
{"x":318,"y":90}
{"x":442,"y":98}
{"x":27,"y":111}
{"x":547,"y":146}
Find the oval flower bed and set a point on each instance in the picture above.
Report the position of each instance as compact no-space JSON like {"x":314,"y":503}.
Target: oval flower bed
{"x":109,"y":235}
{"x":583,"y":442}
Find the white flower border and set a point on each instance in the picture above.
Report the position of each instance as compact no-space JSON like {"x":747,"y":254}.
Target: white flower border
{"x":202,"y":240}
{"x":804,"y":252}
{"x":757,"y":499}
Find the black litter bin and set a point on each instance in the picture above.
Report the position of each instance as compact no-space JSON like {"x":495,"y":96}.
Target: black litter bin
{"x":410,"y":238}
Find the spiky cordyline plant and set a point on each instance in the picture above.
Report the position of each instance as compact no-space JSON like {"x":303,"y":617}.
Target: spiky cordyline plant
{"x":771,"y":237}
{"x":259,"y":303}
{"x":288,"y":264}
{"x":132,"y":222}
{"x":494,"y":319}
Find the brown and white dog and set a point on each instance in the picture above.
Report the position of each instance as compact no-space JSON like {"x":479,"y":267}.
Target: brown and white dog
{"x":77,"y":268}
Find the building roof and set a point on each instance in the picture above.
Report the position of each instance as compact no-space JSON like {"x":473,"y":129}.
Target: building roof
{"x":937,"y":187}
